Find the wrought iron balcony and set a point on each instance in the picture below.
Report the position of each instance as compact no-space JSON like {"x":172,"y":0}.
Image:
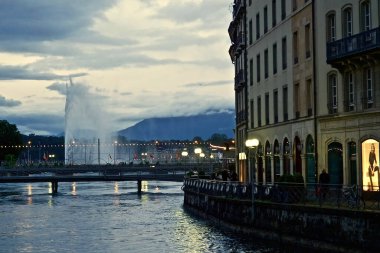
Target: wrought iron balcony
{"x":238,"y":8}
{"x":240,"y":42}
{"x":239,"y":79}
{"x":241,"y":116}
{"x":231,"y":51}
{"x":350,"y":46}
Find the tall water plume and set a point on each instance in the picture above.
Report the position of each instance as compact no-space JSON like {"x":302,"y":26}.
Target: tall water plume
{"x":87,"y":131}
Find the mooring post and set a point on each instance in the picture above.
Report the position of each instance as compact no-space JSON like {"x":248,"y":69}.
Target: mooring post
{"x":54,"y":186}
{"x":139,"y":186}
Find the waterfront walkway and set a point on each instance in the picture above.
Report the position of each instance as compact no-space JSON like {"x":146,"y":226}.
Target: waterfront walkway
{"x":336,"y":196}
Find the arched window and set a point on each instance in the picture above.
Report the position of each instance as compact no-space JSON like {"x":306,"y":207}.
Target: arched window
{"x":332,"y":93}
{"x":347,"y":22}
{"x":365,"y":15}
{"x":331,"y":27}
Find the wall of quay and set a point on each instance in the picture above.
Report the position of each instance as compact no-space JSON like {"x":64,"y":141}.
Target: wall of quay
{"x":310,"y":227}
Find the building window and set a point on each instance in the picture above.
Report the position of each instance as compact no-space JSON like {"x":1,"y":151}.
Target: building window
{"x":349,"y":92}
{"x":295,"y":47}
{"x":257,"y":26}
{"x":297,"y":100}
{"x":275,"y":106}
{"x":267,"y":108}
{"x":285,"y":102}
{"x":284,"y":53}
{"x":251,"y":72}
{"x":309,"y":97}
{"x":274,"y":13}
{"x":265,"y":19}
{"x":347,"y":22}
{"x":331,"y":27}
{"x":333,"y":93}
{"x":258,"y":68}
{"x":365,"y":13}
{"x":252,"y":113}
{"x":259,"y":111}
{"x":266,"y":64}
{"x":283,"y":9}
{"x":250,"y":32}
{"x":274,"y":58}
{"x":307,"y":41}
{"x":368,"y":87}
{"x":294,"y":5}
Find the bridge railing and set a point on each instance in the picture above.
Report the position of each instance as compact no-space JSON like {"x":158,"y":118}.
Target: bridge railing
{"x":329,"y":195}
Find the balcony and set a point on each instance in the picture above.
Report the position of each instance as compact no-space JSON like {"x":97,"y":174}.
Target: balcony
{"x":231,"y":51}
{"x":239,"y":80}
{"x":241,"y":117}
{"x":238,"y":8}
{"x":240,"y":42}
{"x":353,"y":48}
{"x":232,"y":29}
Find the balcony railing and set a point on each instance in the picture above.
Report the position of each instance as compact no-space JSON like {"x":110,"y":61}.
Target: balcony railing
{"x":238,"y":7}
{"x":239,"y":79}
{"x":353,"y":45}
{"x":240,"y":42}
{"x":241,"y":116}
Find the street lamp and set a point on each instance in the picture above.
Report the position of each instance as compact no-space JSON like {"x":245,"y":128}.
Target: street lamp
{"x":184,"y":154}
{"x":114,"y":153}
{"x":29,"y":143}
{"x":251,"y":144}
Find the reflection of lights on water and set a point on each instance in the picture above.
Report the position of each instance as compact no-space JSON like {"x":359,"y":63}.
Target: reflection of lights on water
{"x":116,"y":187}
{"x":74,"y":188}
{"x":30,"y":199}
{"x":29,"y":189}
{"x":50,"y":190}
{"x":144,"y":186}
{"x":157,"y":189}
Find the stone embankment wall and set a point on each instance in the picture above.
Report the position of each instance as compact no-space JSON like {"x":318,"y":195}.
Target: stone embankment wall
{"x":322,"y":229}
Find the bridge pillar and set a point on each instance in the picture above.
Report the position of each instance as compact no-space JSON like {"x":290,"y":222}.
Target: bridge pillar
{"x":139,"y":186}
{"x":54,"y":186}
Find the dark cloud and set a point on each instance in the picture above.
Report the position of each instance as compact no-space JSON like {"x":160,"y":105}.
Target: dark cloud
{"x":59,"y":87}
{"x":25,"y":73}
{"x":46,"y":123}
{"x":48,"y":20}
{"x":8,"y":102}
{"x":205,"y":84}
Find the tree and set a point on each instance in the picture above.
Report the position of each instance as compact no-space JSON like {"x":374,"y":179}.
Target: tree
{"x":10,"y":140}
{"x":218,"y":139}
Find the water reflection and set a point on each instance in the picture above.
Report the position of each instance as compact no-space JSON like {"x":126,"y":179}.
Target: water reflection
{"x":116,"y":187}
{"x":74,"y":189}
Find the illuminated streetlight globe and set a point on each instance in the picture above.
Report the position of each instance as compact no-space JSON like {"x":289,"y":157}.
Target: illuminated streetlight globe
{"x":197,"y":150}
{"x":184,"y":153}
{"x":252,"y":143}
{"x":202,"y":154}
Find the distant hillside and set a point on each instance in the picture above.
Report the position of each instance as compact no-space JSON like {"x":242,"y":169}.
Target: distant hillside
{"x":181,"y":128}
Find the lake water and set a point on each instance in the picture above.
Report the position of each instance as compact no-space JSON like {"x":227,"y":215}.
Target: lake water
{"x":108,"y":217}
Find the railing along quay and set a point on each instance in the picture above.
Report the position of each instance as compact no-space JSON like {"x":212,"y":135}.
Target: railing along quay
{"x":327,"y":196}
{"x":91,"y":173}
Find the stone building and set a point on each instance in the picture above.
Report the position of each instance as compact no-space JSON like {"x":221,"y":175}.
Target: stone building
{"x":306,"y":76}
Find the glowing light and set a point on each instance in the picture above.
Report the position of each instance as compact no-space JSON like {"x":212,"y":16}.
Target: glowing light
{"x":250,"y":143}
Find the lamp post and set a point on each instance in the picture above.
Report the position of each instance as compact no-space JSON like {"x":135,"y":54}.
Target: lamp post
{"x":198,"y":152}
{"x":29,"y":143}
{"x":251,"y":144}
{"x":114,"y":153}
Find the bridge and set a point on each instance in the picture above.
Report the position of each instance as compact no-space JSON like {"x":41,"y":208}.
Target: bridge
{"x":91,"y":173}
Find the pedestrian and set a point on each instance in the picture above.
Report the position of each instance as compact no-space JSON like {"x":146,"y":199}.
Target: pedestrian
{"x":324,"y":180}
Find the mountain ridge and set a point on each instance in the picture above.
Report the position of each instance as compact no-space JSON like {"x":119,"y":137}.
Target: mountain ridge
{"x":181,"y":127}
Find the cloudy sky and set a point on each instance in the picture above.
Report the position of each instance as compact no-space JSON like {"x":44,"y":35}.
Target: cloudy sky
{"x":136,"y":58}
